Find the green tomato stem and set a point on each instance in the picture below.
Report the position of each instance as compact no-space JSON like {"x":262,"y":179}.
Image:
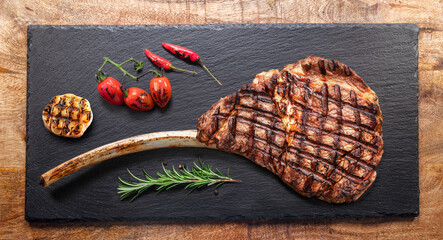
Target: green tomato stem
{"x":153,"y":71}
{"x":100,"y":75}
{"x":119,"y":66}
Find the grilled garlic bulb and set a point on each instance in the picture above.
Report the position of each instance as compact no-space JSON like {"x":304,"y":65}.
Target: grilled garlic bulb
{"x":67,"y":115}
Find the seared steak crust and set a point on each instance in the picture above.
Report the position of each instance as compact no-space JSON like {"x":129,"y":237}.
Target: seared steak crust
{"x":316,"y":125}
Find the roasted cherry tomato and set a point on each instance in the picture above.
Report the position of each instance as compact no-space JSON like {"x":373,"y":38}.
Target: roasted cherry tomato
{"x":138,"y":99}
{"x":110,"y":90}
{"x":160,"y":89}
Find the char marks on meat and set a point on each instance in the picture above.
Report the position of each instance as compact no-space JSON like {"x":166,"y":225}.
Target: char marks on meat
{"x":316,"y":124}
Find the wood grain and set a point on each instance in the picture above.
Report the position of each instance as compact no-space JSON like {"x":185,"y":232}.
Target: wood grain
{"x":16,"y":15}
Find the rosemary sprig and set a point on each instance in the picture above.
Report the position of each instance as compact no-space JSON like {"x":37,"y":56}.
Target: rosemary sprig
{"x":195,"y":177}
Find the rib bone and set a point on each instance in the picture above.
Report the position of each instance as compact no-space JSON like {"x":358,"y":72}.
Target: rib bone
{"x":185,"y":138}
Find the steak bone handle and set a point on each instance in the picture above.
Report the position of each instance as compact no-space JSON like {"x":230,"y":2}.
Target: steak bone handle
{"x":149,"y":141}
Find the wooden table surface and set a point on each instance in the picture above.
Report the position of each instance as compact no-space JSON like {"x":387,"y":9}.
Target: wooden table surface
{"x":15,"y":16}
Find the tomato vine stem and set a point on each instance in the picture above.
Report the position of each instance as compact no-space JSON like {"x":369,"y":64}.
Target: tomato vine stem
{"x":138,"y":65}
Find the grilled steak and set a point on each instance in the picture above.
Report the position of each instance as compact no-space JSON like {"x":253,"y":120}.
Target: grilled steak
{"x":315,"y":124}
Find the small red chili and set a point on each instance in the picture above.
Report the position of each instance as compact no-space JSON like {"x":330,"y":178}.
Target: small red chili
{"x":186,"y":53}
{"x":110,"y":90}
{"x":163,"y":63}
{"x":138,"y":99}
{"x":161,"y":90}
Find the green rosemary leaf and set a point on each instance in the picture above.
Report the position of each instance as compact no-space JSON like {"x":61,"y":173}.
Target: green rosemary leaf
{"x":132,"y":175}
{"x":172,"y":185}
{"x":218,"y":171}
{"x":147,"y":176}
{"x":126,"y":183}
{"x":138,"y":194}
{"x":198,"y":176}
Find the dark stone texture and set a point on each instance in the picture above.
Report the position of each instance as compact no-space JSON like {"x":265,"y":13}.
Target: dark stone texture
{"x":64,"y":59}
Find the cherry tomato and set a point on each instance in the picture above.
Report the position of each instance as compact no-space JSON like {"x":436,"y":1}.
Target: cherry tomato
{"x":138,"y":99}
{"x":161,"y":90}
{"x":110,"y":90}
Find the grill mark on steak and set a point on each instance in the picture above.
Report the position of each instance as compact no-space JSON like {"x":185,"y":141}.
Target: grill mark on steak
{"x":316,"y":125}
{"x":327,"y":163}
{"x":327,"y":148}
{"x":337,"y":92}
{"x":361,"y":109}
{"x":344,"y":123}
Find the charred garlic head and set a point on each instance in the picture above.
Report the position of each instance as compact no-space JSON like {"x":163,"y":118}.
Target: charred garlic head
{"x":67,"y":115}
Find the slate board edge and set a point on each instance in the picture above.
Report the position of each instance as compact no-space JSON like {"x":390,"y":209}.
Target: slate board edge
{"x":224,"y":26}
{"x":29,"y":43}
{"x":413,"y":27}
{"x":218,"y":219}
{"x":417,"y":211}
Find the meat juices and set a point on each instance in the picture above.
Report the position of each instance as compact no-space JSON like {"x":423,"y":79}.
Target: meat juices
{"x":316,"y":124}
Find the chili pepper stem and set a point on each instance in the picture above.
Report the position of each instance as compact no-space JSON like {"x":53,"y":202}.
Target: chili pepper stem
{"x":207,"y":70}
{"x":183,"y":70}
{"x":119,"y":66}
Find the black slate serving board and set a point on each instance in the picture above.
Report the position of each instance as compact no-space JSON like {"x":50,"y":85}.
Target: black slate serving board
{"x":63,"y":59}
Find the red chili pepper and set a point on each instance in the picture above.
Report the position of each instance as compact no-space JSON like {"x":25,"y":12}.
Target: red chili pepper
{"x":187,"y":54}
{"x":163,"y":63}
{"x":161,"y":90}
{"x":109,"y":89}
{"x":138,"y":99}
